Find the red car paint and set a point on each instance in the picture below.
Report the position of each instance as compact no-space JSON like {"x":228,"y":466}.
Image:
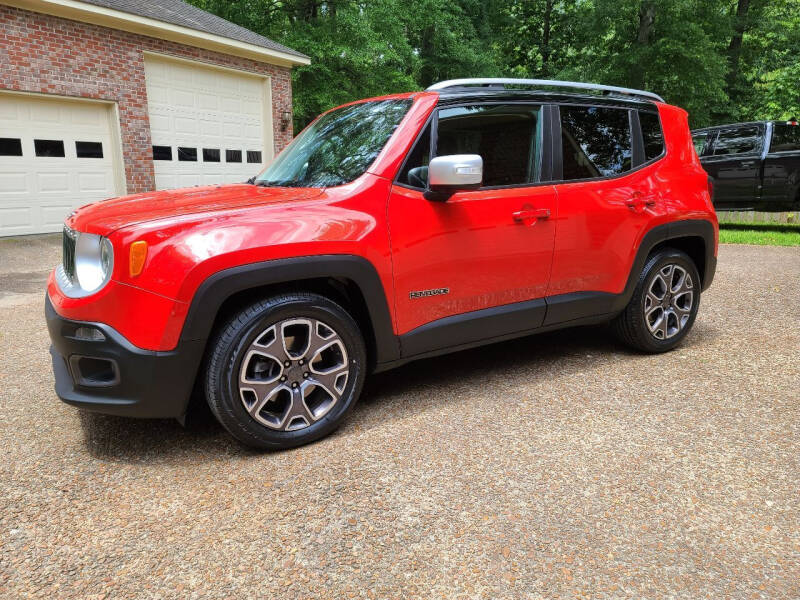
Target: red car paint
{"x":474,"y":242}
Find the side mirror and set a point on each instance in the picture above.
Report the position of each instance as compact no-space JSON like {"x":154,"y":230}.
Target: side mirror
{"x":455,"y":173}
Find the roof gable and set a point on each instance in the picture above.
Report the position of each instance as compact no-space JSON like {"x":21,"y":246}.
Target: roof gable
{"x":181,"y":13}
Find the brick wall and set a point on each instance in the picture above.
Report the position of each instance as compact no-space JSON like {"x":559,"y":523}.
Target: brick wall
{"x":42,"y":53}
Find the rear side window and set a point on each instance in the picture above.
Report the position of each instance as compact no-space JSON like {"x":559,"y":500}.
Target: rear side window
{"x":651,"y":132}
{"x":744,"y":140}
{"x":595,"y":142}
{"x":505,"y":136}
{"x":699,"y":140}
{"x":785,"y":138}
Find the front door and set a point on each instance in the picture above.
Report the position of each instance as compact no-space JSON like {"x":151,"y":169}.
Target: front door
{"x":735,"y":165}
{"x":481,"y":249}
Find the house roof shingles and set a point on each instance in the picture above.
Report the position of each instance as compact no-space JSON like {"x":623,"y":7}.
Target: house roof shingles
{"x":177,"y":12}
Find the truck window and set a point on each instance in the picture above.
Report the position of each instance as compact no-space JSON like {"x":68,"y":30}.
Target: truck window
{"x":785,"y":138}
{"x":699,"y":140}
{"x":652,"y":134}
{"x":595,"y":142}
{"x":743,"y":140}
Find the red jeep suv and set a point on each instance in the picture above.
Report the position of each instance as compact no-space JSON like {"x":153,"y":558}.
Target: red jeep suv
{"x":389,"y":230}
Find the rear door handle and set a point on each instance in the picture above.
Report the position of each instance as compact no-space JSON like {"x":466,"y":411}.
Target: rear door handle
{"x":638,"y":202}
{"x":531,"y":215}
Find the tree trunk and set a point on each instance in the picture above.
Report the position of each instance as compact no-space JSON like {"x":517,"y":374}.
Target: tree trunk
{"x":545,"y":48}
{"x":735,"y":47}
{"x":647,"y":19}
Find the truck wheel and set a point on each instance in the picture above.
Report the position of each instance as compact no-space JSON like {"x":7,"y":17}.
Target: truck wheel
{"x":664,"y":303}
{"x":286,"y":370}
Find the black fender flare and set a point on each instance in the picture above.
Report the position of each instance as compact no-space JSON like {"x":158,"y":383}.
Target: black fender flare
{"x":688,"y":228}
{"x":216,"y":289}
{"x":566,"y":308}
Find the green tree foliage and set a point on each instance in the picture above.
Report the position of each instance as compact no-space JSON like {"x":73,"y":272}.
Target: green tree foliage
{"x":722,"y":60}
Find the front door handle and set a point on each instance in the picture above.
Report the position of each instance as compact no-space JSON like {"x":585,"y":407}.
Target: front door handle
{"x":529,"y":215}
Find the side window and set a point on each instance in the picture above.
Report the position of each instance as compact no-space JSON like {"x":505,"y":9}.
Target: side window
{"x":743,"y":140}
{"x":785,"y":138}
{"x":651,"y":132}
{"x":699,"y":140}
{"x":505,"y":136}
{"x":595,"y":142}
{"x":415,"y":170}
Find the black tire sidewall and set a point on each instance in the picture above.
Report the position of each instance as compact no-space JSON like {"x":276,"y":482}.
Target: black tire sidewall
{"x":248,"y":429}
{"x":653,"y":266}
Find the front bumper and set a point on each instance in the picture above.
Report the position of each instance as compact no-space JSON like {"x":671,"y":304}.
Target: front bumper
{"x":113,"y":376}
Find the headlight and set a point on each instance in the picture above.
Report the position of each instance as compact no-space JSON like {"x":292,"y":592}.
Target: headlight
{"x":87,"y":265}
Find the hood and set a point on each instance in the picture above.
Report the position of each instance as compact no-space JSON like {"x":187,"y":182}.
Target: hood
{"x":107,"y":216}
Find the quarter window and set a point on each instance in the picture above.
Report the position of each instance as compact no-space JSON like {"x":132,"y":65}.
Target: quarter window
{"x":89,"y":149}
{"x":162,"y":152}
{"x":49,"y":148}
{"x":415,"y":171}
{"x":595,"y":142}
{"x":651,"y":132}
{"x":233,"y":156}
{"x":10,"y":147}
{"x":507,"y":137}
{"x":785,"y":138}
{"x":187,"y":154}
{"x":744,"y":140}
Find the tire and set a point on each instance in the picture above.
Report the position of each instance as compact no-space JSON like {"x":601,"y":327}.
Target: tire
{"x":263,"y":402}
{"x":639,"y":325}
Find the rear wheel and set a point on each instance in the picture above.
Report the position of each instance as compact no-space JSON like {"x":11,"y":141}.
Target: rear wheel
{"x":664,"y":303}
{"x":285,"y":371}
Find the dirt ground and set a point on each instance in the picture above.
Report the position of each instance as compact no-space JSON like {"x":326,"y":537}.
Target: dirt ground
{"x":561,"y":465}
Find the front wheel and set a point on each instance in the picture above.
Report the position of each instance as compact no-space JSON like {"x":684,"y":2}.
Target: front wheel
{"x":664,"y":303}
{"x":286,"y":370}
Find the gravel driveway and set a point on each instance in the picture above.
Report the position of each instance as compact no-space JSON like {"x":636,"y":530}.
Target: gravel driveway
{"x":554,"y":466}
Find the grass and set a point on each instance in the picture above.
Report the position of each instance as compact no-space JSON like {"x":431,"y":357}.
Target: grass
{"x":761,"y":234}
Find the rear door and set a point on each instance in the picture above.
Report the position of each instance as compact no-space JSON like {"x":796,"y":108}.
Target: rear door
{"x":781,"y":189}
{"x":605,"y":203}
{"x":735,"y":164}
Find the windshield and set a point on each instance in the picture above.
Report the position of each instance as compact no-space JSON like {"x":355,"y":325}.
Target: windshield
{"x":338,"y":147}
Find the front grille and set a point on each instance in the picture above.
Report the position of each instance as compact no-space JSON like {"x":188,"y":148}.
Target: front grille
{"x":68,"y":259}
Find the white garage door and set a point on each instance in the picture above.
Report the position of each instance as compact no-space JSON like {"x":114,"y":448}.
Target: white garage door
{"x":208,"y":125}
{"x":55,"y":154}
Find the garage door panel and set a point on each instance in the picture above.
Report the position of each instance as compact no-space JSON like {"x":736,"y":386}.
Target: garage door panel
{"x":53,"y":182}
{"x":13,"y":183}
{"x":226,"y":113}
{"x":52,"y":216}
{"x":15,"y":220}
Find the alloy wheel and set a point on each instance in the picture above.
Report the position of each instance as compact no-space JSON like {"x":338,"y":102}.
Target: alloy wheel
{"x":668,"y":301}
{"x":293,"y":374}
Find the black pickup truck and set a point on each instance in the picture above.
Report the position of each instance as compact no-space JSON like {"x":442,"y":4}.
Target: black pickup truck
{"x":755,"y":166}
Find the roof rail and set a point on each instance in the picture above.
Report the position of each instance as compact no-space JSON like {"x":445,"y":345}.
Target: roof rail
{"x":501,"y":82}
